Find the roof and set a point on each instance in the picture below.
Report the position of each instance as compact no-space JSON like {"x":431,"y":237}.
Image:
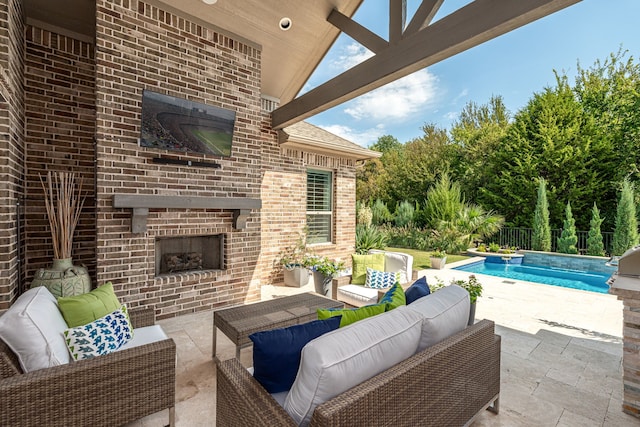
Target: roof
{"x":308,"y":137}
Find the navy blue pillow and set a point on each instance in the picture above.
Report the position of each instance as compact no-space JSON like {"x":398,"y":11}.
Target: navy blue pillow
{"x":419,"y":289}
{"x":276,"y":353}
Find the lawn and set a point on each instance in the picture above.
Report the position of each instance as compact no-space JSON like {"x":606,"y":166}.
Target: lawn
{"x":421,"y":258}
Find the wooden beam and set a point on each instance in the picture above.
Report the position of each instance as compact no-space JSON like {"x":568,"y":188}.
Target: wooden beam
{"x":362,"y":35}
{"x":397,"y":19}
{"x":469,"y":26}
{"x":423,"y":16}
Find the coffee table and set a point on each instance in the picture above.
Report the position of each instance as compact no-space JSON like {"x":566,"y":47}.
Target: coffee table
{"x":237,"y":323}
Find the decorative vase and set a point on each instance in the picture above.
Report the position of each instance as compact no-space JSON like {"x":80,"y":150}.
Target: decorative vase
{"x":296,"y":276}
{"x":322,"y":283}
{"x":472,"y":314}
{"x":63,"y":279}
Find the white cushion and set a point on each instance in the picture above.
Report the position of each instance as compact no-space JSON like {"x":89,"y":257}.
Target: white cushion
{"x":357,"y":295}
{"x":145,"y":335}
{"x":341,"y":359}
{"x":445,"y":312}
{"x":397,"y":262}
{"x":32,"y":328}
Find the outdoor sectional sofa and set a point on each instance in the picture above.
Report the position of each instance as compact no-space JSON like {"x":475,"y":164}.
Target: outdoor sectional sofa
{"x":446,"y":384}
{"x":108,"y":390}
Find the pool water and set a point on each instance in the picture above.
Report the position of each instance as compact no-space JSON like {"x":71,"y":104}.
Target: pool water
{"x":586,"y":281}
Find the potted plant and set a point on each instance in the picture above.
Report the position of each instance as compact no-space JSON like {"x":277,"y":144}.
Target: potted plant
{"x":63,"y":202}
{"x":294,"y":261}
{"x":475,"y":290}
{"x":324,"y":270}
{"x":438,"y":259}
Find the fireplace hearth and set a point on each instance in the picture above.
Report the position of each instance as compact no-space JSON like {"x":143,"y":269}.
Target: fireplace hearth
{"x":176,"y":255}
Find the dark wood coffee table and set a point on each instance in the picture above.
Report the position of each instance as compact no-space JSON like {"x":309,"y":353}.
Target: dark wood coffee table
{"x":237,"y":323}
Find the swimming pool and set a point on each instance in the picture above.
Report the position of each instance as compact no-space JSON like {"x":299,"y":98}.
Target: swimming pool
{"x":586,"y":281}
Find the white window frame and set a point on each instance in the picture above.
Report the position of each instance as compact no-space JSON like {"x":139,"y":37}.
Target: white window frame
{"x":325,"y":238}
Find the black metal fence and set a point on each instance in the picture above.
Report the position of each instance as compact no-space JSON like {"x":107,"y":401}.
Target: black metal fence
{"x":521,"y":238}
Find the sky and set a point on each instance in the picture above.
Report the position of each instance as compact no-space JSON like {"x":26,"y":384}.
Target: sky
{"x":514,"y":65}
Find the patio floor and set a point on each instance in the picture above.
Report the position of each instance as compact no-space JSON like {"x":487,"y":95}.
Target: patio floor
{"x":561,"y":356}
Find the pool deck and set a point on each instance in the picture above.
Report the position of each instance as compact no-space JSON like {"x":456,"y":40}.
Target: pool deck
{"x":561,"y":356}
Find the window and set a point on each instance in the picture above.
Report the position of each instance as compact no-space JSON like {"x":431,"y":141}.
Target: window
{"x":319,"y":206}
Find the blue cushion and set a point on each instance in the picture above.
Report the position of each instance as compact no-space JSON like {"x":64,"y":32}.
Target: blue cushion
{"x":276,"y":353}
{"x":419,"y":289}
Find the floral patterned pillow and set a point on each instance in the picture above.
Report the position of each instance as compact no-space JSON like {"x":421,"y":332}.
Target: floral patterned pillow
{"x":102,"y":336}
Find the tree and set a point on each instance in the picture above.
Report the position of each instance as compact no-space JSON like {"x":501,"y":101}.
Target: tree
{"x":444,"y":202}
{"x":625,"y":233}
{"x":477,"y":134}
{"x":568,"y":238}
{"x":595,"y":246}
{"x":541,"y":239}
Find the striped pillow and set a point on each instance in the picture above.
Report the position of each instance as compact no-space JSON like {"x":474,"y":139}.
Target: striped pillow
{"x":381,"y":279}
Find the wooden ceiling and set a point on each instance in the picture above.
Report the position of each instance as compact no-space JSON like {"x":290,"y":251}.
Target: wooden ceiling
{"x":290,"y":57}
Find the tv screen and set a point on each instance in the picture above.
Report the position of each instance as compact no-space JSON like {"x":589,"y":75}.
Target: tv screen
{"x":177,"y":124}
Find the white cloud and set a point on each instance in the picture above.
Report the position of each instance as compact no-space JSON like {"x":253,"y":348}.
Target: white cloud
{"x":397,"y":100}
{"x":451,"y":115}
{"x":363,"y":138}
{"x":352,"y":55}
{"x":463,"y":94}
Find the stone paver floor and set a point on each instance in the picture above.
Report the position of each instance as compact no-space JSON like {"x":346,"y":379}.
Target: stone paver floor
{"x":561,"y":356}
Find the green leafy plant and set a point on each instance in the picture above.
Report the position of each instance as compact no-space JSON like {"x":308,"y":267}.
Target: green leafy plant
{"x":568,"y":239}
{"x":326,"y":266}
{"x":404,"y":214}
{"x":297,"y":255}
{"x":438,"y":254}
{"x":369,"y":237}
{"x":494,"y":247}
{"x":541,"y":240}
{"x":595,"y":246}
{"x":472,"y":286}
{"x":482,"y":248}
{"x":380,"y":213}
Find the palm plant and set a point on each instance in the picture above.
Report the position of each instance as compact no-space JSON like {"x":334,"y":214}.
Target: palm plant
{"x":369,"y":237}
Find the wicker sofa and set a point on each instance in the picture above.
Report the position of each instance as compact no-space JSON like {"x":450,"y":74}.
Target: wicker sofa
{"x":108,"y":390}
{"x":447,"y":384}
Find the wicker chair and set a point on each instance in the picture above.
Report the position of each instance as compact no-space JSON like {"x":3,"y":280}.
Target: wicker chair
{"x":108,"y":390}
{"x":447,"y":384}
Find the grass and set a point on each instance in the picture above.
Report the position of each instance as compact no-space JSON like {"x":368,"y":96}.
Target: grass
{"x":421,"y":258}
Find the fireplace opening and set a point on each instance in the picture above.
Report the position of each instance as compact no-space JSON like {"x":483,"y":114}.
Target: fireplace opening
{"x":194,"y":253}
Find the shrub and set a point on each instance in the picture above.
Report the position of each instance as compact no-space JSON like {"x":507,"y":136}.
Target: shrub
{"x":380,"y":213}
{"x":595,"y":246}
{"x":363,"y":214}
{"x":494,"y":247}
{"x":370,"y":237}
{"x":541,"y":239}
{"x":625,"y":234}
{"x":407,"y":237}
{"x":568,"y":239}
{"x":404,"y":214}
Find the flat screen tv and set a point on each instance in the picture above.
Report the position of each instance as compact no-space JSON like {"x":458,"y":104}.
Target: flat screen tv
{"x":177,"y":124}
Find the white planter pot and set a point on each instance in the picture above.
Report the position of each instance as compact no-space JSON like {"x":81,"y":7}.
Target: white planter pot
{"x":296,"y":276}
{"x":438,"y":263}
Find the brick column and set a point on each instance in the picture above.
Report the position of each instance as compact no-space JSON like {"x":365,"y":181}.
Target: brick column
{"x":631,"y":349}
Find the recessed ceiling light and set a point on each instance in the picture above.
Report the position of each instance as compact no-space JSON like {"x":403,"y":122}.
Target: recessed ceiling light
{"x":209,"y":1}
{"x":285,"y":23}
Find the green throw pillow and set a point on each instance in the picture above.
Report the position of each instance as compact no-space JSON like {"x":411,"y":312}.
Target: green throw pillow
{"x":360,"y":263}
{"x":351,"y":315}
{"x":394,"y":297}
{"x":85,"y":308}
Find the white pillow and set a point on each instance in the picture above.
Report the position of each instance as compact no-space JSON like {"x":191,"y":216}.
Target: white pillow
{"x":445,"y":312}
{"x":397,"y":262}
{"x":32,"y":327}
{"x":341,"y":359}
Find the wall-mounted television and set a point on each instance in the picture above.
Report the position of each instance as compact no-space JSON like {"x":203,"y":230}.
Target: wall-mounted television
{"x":171,"y":123}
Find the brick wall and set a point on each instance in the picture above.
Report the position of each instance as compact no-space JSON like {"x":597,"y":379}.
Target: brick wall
{"x":139,"y":46}
{"x":75,"y":92}
{"x":284,"y":192}
{"x":11,"y":146}
{"x":60,"y":125}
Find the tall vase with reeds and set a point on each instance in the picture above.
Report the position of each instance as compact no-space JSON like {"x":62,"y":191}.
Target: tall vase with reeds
{"x":63,"y":201}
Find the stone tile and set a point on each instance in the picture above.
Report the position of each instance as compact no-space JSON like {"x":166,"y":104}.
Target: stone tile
{"x":587,"y":404}
{"x":571,"y":419}
{"x":616,"y":418}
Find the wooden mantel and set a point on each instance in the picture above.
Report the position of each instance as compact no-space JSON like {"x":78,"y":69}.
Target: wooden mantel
{"x":140,"y":205}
